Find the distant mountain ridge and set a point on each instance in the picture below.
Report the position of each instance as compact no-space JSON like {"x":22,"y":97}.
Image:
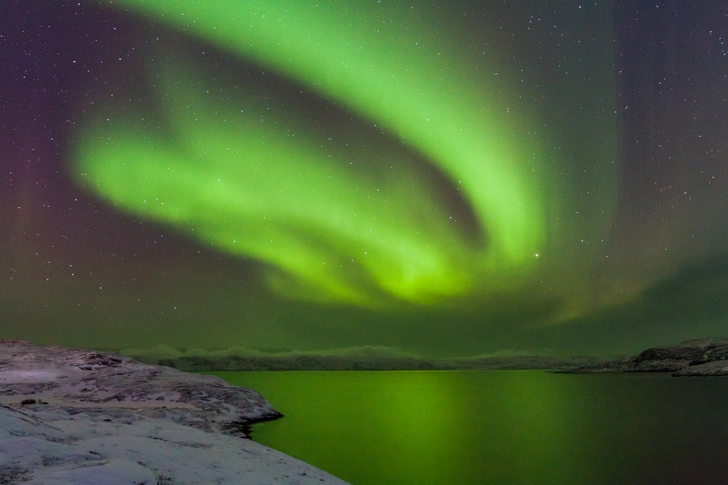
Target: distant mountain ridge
{"x":312,"y":362}
{"x":699,"y":357}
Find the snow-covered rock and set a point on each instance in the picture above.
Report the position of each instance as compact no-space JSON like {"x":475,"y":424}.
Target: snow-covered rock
{"x":76,"y":417}
{"x":701,"y":357}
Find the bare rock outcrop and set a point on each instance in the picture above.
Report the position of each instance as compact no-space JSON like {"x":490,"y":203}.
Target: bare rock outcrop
{"x":701,"y":357}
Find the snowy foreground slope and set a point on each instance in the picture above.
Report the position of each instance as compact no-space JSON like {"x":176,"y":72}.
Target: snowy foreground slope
{"x":76,"y":417}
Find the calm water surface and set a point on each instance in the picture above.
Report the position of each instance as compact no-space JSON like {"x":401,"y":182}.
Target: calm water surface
{"x":499,"y":427}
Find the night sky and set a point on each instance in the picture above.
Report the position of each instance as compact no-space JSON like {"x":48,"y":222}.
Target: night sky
{"x":445,"y":178}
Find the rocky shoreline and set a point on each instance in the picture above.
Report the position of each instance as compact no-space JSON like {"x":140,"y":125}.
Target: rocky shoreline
{"x":71,"y":416}
{"x":692,"y":358}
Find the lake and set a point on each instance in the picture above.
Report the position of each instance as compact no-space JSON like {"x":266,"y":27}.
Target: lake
{"x":500,"y":427}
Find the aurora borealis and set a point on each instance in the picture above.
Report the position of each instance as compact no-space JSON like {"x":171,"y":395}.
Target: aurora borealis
{"x":295,"y":207}
{"x":445,"y":178}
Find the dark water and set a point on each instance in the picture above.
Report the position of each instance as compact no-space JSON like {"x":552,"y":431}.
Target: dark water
{"x":499,"y":427}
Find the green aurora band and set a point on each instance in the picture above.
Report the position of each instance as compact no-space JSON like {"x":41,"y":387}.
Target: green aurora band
{"x":259,"y":184}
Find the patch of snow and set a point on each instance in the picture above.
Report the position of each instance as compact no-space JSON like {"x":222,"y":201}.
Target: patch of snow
{"x":107,"y":419}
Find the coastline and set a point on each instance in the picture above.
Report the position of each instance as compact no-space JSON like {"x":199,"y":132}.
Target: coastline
{"x":706,"y":357}
{"x":70,"y":416}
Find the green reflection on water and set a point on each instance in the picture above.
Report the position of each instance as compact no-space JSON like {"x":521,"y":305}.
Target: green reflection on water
{"x":499,"y":427}
{"x":424,"y":427}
